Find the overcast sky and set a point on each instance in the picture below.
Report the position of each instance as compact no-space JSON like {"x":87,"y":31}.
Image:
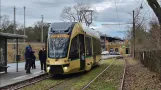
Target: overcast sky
{"x":51,"y":10}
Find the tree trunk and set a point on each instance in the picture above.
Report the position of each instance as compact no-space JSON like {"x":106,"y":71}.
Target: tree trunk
{"x":156,"y":8}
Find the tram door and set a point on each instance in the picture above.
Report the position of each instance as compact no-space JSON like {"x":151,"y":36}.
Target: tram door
{"x":82,"y":52}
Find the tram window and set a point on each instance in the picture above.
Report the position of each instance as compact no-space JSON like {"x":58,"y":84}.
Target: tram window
{"x":74,"y":53}
{"x":88,"y":46}
{"x":96,"y":46}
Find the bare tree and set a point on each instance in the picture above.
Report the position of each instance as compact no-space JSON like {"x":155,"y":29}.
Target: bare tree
{"x":77,"y":13}
{"x":5,"y":22}
{"x":154,"y":4}
{"x":156,"y":8}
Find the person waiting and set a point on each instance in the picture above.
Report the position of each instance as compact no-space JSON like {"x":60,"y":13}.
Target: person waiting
{"x":33,"y":64}
{"x":28,"y":57}
{"x":42,"y":58}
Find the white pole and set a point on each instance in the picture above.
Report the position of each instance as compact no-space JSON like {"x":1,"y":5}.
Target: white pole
{"x":14,"y":20}
{"x":0,"y":16}
{"x":42,"y":29}
{"x":24,"y":22}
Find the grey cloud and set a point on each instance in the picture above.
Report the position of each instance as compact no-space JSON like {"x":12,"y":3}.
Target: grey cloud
{"x":53,"y":3}
{"x":90,"y":1}
{"x":110,"y":14}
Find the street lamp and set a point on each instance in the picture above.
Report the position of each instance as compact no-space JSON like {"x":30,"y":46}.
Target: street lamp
{"x":141,"y":7}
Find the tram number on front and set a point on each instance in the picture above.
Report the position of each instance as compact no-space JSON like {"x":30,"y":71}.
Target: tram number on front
{"x":60,"y":36}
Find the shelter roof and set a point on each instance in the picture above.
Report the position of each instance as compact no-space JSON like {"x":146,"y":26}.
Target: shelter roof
{"x":12,"y":36}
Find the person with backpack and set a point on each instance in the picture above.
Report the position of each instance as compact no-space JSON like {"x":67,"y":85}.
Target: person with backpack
{"x":28,"y":57}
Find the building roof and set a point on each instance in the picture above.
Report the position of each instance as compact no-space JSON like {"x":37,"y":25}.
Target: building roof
{"x":110,"y":39}
{"x":12,"y":36}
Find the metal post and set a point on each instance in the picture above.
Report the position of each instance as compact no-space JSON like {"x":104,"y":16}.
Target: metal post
{"x":105,"y":42}
{"x":42,"y":29}
{"x":91,"y":16}
{"x":0,"y":16}
{"x":17,"y":53}
{"x":14,"y":20}
{"x":134,"y":33}
{"x":24,"y":22}
{"x":5,"y":51}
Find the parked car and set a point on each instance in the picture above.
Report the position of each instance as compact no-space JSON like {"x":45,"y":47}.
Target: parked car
{"x":105,"y":53}
{"x":114,"y":53}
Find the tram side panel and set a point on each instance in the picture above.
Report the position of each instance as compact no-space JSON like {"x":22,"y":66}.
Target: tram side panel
{"x":96,"y":50}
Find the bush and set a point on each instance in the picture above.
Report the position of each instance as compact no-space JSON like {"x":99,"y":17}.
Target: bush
{"x":151,"y":59}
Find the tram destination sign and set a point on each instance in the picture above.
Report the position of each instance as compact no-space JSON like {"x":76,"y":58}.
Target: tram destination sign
{"x":59,"y":36}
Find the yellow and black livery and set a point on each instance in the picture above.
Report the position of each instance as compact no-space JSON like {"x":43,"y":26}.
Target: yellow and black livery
{"x":72,"y":47}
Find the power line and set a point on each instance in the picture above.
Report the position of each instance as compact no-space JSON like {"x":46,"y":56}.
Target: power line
{"x":117,"y":13}
{"x":139,"y":0}
{"x":148,"y":11}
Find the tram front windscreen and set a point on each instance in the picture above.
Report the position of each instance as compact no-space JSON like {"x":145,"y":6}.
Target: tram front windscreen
{"x":58,"y":45}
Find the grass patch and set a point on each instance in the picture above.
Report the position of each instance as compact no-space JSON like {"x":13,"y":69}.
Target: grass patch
{"x":83,"y":79}
{"x":110,"y":79}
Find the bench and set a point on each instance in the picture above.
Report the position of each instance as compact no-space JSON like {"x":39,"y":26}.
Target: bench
{"x":4,"y":67}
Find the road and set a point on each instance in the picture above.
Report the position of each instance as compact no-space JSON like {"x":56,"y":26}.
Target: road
{"x":109,"y":56}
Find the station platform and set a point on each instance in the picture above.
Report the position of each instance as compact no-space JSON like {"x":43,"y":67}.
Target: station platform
{"x":12,"y":76}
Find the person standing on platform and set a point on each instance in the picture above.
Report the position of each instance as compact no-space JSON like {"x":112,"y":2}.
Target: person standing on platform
{"x":33,"y":64}
{"x":42,"y":58}
{"x":26,"y":64}
{"x":28,"y":57}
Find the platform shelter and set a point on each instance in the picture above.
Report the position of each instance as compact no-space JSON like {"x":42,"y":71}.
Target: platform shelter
{"x":3,"y":49}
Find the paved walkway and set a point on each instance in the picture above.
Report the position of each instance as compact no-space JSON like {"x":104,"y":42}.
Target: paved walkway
{"x":109,"y":56}
{"x":13,"y":76}
{"x":13,"y":66}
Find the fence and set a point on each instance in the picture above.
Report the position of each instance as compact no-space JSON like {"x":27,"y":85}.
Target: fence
{"x":151,"y":59}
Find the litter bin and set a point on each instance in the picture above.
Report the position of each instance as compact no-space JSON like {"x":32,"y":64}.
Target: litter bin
{"x":18,"y":57}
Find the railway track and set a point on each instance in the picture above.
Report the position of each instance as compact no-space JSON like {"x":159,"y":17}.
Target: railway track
{"x":98,"y":76}
{"x":58,"y":86}
{"x":25,"y":83}
{"x":65,"y":85}
{"x":123,"y":77}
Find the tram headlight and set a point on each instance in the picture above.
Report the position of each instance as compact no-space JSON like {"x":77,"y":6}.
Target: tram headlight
{"x":65,"y":68}
{"x":48,"y":68}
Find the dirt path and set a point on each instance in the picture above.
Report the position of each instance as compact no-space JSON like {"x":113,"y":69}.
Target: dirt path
{"x":139,"y":77}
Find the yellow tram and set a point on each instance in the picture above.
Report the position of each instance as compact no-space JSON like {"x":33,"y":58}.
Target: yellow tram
{"x":72,"y":47}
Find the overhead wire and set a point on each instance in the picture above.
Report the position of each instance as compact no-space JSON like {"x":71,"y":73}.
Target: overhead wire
{"x":117,"y":13}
